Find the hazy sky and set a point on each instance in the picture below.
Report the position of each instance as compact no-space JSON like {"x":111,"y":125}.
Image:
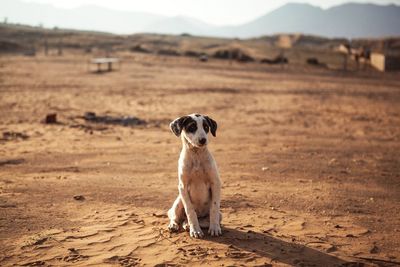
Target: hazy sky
{"x":219,"y":12}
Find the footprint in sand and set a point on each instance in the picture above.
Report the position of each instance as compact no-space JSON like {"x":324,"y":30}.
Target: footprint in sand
{"x":126,"y":261}
{"x":74,"y":256}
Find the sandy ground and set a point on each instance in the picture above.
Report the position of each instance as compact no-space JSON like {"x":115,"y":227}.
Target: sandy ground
{"x":309,"y":159}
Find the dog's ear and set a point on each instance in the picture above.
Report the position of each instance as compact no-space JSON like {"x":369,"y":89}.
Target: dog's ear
{"x":212,"y":124}
{"x":177,"y":125}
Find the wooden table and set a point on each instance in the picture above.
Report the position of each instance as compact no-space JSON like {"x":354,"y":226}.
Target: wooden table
{"x":106,"y":61}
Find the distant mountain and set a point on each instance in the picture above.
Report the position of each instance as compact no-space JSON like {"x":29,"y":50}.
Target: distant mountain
{"x":83,"y":18}
{"x":348,"y":20}
{"x":289,"y":18}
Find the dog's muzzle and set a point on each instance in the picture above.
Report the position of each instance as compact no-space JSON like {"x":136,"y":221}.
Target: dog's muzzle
{"x":202,"y":141}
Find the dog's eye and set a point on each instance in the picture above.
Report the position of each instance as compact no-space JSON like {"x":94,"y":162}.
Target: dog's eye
{"x":205,"y":126}
{"x":192,"y":128}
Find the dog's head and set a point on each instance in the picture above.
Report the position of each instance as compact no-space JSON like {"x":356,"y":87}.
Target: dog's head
{"x":194,"y":128}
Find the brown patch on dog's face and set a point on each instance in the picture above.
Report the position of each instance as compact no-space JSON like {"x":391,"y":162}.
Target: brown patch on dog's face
{"x":212,"y":124}
{"x":190,"y":126}
{"x":179,"y":124}
{"x":206,"y":127}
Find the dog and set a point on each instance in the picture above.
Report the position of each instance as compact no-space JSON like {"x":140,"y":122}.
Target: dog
{"x":198,"y":203}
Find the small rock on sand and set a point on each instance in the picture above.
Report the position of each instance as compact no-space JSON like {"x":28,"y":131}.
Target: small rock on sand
{"x":51,"y":118}
{"x":79,"y":197}
{"x":374,"y":250}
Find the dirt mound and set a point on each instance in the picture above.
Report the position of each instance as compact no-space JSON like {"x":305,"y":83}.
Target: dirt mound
{"x":168,"y":52}
{"x":234,"y":54}
{"x":9,"y":47}
{"x":315,"y":62}
{"x":280,"y":59}
{"x":139,"y":48}
{"x":301,"y":41}
{"x":310,"y":41}
{"x":191,"y":53}
{"x":106,"y":119}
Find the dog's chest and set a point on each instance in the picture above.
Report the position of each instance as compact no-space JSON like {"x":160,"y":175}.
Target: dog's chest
{"x":199,"y":187}
{"x":196,"y":169}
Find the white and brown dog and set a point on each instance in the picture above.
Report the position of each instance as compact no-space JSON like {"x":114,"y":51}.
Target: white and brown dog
{"x":198,"y":203}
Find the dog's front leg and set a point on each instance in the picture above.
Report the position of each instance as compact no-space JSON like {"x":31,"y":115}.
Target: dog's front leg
{"x":195,"y":230}
{"x":215,"y":214}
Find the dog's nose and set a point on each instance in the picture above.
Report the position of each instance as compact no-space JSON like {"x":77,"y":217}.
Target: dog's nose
{"x":202,"y":141}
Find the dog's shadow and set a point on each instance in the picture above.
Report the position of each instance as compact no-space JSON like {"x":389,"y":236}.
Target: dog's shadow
{"x":277,"y":250}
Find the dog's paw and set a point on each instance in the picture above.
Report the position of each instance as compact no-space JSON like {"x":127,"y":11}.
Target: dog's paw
{"x":185,"y":226}
{"x":173,"y":227}
{"x":215,"y":229}
{"x":196,"y":232}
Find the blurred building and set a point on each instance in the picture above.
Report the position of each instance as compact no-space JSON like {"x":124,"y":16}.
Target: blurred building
{"x":385,"y":62}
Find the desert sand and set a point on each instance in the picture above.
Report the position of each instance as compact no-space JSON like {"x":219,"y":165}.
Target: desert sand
{"x":309,"y":159}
